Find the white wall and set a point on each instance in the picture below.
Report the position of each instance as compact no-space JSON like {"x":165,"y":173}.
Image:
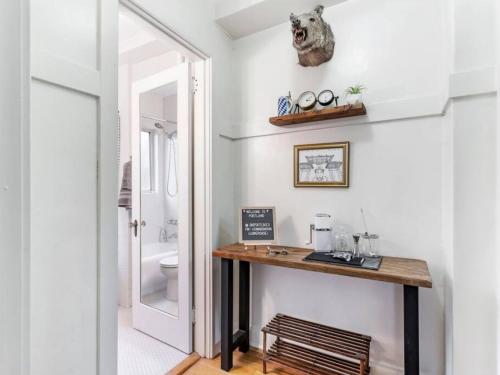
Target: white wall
{"x":396,"y":177}
{"x":476,"y":171}
{"x":382,"y":45}
{"x":474,"y":33}
{"x":497,"y":19}
{"x":474,"y":307}
{"x":408,"y":175}
{"x":11,"y":188}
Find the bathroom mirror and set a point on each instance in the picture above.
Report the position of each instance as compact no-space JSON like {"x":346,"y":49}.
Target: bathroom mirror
{"x":159,"y":199}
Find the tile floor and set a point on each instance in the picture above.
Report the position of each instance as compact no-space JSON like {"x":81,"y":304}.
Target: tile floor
{"x":140,"y":354}
{"x":158,"y":301}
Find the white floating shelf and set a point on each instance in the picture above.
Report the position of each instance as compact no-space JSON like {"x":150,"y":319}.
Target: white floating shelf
{"x":240,"y":18}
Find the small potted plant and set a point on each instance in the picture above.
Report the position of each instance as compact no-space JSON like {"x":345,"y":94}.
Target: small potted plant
{"x":354,"y":94}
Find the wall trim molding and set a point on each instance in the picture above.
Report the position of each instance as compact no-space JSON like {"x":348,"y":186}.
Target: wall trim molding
{"x":473,"y":82}
{"x":25,"y":9}
{"x":461,"y":84}
{"x":53,"y":69}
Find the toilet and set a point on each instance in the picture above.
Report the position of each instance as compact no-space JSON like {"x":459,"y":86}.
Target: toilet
{"x":169,"y":268}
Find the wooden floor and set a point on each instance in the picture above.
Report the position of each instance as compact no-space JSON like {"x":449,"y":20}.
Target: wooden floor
{"x":243,"y":364}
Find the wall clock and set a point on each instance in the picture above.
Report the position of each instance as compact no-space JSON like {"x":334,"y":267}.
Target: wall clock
{"x":307,"y":100}
{"x":326,"y":97}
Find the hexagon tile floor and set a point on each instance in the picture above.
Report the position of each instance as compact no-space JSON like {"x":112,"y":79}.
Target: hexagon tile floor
{"x":140,"y":354}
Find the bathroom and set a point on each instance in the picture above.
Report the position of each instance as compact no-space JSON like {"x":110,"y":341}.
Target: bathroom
{"x":154,"y":214}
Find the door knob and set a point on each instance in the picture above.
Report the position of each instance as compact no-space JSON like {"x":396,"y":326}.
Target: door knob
{"x":134,"y":225}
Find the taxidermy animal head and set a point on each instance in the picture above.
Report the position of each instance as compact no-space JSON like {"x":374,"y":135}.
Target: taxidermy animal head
{"x":312,"y":37}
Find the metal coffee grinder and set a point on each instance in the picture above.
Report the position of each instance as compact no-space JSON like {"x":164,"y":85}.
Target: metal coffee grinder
{"x":320,"y":233}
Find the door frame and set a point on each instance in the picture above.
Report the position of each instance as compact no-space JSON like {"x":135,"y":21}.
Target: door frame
{"x":202,"y":184}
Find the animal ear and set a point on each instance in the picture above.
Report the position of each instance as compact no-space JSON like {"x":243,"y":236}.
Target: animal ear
{"x":319,"y":9}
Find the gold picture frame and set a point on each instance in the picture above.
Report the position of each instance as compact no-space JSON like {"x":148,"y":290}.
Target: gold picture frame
{"x":321,"y":165}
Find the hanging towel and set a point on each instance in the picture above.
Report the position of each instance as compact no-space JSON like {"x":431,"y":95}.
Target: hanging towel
{"x":125,"y":199}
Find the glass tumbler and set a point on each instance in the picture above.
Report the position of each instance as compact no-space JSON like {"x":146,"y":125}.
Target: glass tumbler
{"x":369,"y":245}
{"x":342,"y":241}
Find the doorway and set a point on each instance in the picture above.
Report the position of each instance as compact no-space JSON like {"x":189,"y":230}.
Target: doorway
{"x":161,"y":140}
{"x":162,"y":117}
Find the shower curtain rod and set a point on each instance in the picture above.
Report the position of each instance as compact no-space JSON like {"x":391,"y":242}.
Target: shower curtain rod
{"x":159,"y":119}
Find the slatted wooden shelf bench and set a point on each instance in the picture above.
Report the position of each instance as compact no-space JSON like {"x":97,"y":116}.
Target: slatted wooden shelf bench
{"x":297,"y":342}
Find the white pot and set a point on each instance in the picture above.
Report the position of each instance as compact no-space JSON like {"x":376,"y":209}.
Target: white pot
{"x":353,"y":99}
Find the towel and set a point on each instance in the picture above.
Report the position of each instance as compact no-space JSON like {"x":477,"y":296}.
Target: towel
{"x":125,"y":199}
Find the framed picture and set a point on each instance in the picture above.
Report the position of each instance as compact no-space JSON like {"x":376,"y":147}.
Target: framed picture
{"x":257,"y":225}
{"x":321,"y":165}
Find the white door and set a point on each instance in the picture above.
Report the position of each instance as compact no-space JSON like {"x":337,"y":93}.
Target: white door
{"x":72,"y":177}
{"x":166,"y":319}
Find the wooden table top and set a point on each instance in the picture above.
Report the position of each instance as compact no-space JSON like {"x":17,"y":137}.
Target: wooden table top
{"x":405,"y":271}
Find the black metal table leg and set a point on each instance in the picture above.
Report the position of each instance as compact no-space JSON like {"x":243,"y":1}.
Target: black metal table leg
{"x":227,"y":314}
{"x":244,"y":302}
{"x":411,"y":330}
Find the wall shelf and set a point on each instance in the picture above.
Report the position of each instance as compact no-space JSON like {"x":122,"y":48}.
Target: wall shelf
{"x":321,"y":115}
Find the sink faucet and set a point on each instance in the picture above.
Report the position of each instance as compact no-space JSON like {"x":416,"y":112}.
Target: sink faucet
{"x":163,"y":235}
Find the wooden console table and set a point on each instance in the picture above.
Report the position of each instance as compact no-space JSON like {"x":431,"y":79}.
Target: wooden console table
{"x":410,"y":273}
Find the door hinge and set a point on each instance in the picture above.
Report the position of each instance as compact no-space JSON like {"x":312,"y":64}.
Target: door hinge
{"x":193,"y":315}
{"x":195,"y":85}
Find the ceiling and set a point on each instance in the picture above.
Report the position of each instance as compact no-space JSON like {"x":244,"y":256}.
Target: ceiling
{"x":139,"y":41}
{"x":240,"y":18}
{"x":167,"y":90}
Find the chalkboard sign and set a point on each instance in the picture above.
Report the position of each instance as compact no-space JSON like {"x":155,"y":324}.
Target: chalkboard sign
{"x":257,"y":225}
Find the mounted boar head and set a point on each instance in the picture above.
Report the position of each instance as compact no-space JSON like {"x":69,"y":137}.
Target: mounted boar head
{"x":312,"y":37}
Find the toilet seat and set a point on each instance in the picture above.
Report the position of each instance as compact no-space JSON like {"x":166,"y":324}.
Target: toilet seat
{"x":171,"y":261}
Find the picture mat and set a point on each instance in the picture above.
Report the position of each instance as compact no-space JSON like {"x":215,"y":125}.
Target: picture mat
{"x":329,"y":171}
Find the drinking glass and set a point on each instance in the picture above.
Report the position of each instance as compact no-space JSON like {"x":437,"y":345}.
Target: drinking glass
{"x":369,"y":244}
{"x":343,"y":241}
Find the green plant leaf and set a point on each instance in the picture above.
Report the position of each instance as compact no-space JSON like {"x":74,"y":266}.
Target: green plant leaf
{"x":354,"y":90}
